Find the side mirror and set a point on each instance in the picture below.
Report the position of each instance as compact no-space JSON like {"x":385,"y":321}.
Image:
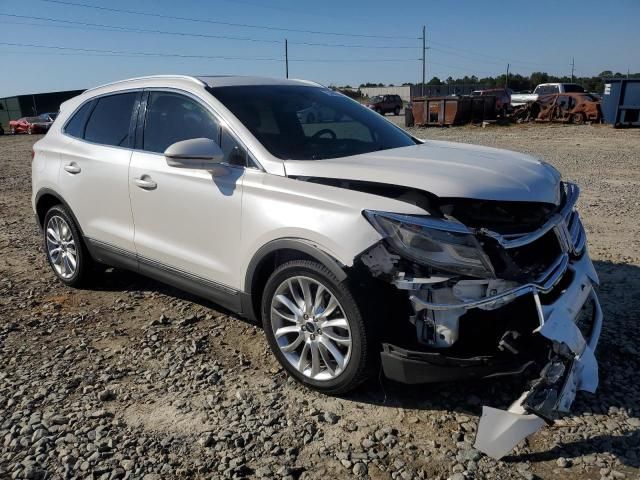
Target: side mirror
{"x":202,"y":153}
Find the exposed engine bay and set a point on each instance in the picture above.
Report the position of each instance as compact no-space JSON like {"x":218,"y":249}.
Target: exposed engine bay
{"x":489,"y":288}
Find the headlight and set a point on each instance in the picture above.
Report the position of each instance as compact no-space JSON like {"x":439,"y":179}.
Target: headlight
{"x":440,"y":244}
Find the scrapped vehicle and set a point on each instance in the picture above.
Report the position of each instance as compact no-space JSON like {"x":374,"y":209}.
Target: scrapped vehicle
{"x":545,"y":89}
{"x":503,"y":98}
{"x":354,"y":243}
{"x":29,"y":125}
{"x":576,"y":108}
{"x":384,"y":104}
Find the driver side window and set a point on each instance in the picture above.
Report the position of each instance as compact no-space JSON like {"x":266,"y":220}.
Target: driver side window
{"x":234,"y":153}
{"x":172,"y":117}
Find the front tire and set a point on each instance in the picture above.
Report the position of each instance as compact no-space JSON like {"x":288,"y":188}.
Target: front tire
{"x":315,"y":327}
{"x":65,"y":249}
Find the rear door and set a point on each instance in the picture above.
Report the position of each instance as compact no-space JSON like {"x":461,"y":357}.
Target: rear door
{"x":187,"y":221}
{"x":95,"y":166}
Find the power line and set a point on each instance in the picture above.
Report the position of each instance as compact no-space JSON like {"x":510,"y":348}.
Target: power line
{"x":217,"y":57}
{"x":107,"y":27}
{"x":216,"y":22}
{"x":502,"y":59}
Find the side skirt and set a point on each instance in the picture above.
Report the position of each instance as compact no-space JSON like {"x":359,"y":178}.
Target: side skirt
{"x":222,"y":295}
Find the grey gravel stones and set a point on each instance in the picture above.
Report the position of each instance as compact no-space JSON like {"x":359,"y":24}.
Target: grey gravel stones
{"x":136,"y":380}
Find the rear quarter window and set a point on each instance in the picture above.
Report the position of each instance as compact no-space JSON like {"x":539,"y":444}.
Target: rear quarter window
{"x":75,"y":126}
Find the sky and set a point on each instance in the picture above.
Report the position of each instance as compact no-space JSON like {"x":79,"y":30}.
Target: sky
{"x":49,"y":45}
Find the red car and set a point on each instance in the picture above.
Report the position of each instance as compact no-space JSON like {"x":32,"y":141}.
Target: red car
{"x":39,"y":124}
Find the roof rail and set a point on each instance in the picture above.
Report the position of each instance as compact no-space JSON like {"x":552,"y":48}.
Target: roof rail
{"x":148,"y":77}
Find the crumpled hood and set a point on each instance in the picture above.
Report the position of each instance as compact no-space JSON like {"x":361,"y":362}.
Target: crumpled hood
{"x":445,"y":169}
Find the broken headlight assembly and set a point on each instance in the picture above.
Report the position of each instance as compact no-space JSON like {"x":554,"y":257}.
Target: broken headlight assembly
{"x":443,"y":245}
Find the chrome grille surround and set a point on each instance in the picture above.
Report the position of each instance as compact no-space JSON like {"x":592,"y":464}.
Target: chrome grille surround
{"x":566,"y":224}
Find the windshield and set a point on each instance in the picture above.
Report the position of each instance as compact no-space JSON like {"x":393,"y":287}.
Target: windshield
{"x":376,"y":99}
{"x":573,"y":88}
{"x":309,"y":123}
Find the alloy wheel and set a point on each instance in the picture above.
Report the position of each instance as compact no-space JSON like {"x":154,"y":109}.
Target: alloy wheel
{"x":61,"y":247}
{"x":311,"y":328}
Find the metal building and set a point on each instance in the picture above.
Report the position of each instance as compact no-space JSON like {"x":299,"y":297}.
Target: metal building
{"x":13,"y":108}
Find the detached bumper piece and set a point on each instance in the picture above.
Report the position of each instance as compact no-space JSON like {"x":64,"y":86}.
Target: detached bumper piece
{"x":572,"y":366}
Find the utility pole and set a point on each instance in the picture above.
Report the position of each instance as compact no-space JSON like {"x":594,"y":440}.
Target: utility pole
{"x":286,"y":58}
{"x":572,"y":67}
{"x":424,"y":52}
{"x":506,"y":82}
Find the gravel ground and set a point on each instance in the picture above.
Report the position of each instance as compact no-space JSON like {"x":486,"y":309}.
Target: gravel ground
{"x":133,"y":379}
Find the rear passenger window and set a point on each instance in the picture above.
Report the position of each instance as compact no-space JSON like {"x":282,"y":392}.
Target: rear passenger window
{"x":172,"y":117}
{"x":75,"y":126}
{"x":110,"y":120}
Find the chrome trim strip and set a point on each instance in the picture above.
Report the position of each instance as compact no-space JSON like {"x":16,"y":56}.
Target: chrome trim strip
{"x":518,"y":240}
{"x":162,"y":266}
{"x":187,"y":275}
{"x":112,"y":248}
{"x":547,"y":281}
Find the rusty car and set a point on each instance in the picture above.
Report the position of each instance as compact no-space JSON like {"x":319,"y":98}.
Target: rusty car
{"x":576,"y":108}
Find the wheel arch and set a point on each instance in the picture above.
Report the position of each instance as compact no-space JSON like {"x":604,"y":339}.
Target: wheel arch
{"x":47,"y":198}
{"x":275,"y":253}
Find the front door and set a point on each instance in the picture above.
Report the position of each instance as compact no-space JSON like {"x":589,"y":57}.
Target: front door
{"x":187,"y":221}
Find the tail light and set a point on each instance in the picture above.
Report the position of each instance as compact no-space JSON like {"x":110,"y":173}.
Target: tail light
{"x":33,"y":154}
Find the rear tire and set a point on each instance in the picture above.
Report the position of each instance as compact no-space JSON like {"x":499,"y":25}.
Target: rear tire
{"x":322,"y":340}
{"x":396,"y":111}
{"x":65,"y":249}
{"x":577,"y":119}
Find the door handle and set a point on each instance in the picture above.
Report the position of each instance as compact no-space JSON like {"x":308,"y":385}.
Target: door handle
{"x":72,"y":168}
{"x":145,"y":183}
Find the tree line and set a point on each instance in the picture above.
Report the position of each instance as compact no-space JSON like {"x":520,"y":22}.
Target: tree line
{"x":518,"y":82}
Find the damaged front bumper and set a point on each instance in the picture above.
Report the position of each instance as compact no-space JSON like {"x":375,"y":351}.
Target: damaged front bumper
{"x":571,"y":362}
{"x":412,"y":366}
{"x":551,"y":323}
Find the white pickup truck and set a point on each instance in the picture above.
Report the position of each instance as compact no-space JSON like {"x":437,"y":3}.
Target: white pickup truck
{"x":544,"y":89}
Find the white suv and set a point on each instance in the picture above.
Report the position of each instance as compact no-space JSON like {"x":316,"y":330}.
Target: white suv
{"x":354,"y":243}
